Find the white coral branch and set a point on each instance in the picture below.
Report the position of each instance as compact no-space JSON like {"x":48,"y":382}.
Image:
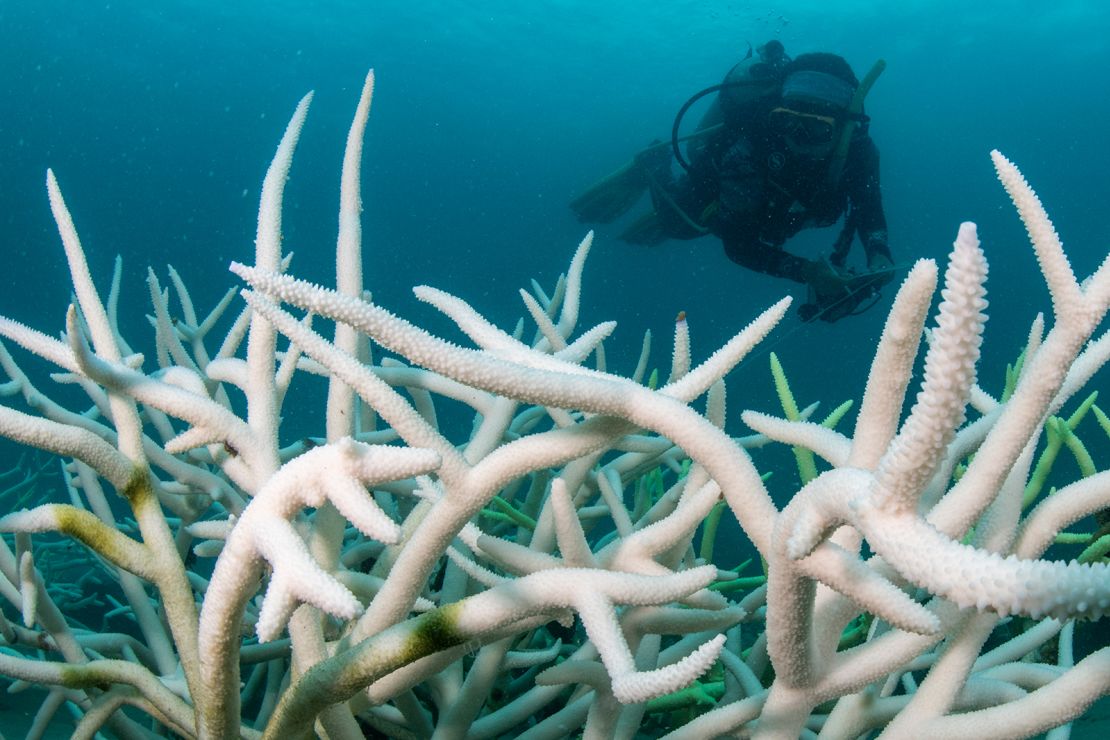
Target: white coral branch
{"x":339,"y":473}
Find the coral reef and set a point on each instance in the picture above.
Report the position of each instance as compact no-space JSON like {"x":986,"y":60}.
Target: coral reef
{"x":545,"y":572}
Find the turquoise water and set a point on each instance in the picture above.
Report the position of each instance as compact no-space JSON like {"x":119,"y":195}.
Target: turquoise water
{"x":160,"y":119}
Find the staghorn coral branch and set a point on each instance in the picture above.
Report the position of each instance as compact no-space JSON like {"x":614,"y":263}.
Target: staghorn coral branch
{"x":892,"y":366}
{"x":912,"y":457}
{"x":1050,"y":706}
{"x":124,"y":415}
{"x":87,"y":528}
{"x":99,"y":673}
{"x":199,"y":410}
{"x":342,"y":418}
{"x":338,"y":473}
{"x":830,"y":445}
{"x":1062,"y":285}
{"x":588,"y":429}
{"x":67,"y":440}
{"x":262,"y":397}
{"x":568,"y":387}
{"x":591,"y":593}
{"x":883,"y":505}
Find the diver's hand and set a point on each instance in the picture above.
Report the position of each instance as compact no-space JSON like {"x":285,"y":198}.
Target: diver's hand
{"x":827,"y":283}
{"x":881,"y":268}
{"x":834,"y":294}
{"x":829,"y":295}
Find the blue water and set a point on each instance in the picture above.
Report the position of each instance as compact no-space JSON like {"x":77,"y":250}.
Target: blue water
{"x":160,"y":119}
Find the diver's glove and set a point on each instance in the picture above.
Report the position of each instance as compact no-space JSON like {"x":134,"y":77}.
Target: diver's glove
{"x":829,"y":296}
{"x":880,"y":269}
{"x":827,"y":282}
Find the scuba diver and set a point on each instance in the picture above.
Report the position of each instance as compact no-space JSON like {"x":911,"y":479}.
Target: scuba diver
{"x":783,"y":147}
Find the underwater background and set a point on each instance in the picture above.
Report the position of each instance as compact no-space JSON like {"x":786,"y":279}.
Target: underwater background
{"x":160,"y":118}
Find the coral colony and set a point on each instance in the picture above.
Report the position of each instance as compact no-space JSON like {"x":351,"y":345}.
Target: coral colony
{"x":548,"y":571}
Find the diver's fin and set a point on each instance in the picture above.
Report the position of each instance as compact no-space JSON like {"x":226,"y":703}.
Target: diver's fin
{"x":614,"y":195}
{"x":611,"y":197}
{"x":646,"y":231}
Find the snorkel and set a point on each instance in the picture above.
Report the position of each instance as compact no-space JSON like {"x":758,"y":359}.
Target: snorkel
{"x":854,"y":118}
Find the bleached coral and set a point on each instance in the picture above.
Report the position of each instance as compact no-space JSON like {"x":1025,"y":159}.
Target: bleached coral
{"x":422,"y":580}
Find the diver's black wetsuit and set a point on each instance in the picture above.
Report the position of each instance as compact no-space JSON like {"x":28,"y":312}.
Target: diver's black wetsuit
{"x":764,"y":195}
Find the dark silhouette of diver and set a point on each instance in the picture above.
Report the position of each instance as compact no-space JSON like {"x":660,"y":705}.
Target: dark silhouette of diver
{"x":784,"y":147}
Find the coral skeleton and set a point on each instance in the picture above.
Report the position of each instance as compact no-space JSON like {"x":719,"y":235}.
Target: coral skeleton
{"x":548,"y":570}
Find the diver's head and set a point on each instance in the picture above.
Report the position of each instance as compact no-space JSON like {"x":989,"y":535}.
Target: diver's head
{"x":817,"y":90}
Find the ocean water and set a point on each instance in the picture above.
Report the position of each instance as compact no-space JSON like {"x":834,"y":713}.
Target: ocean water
{"x":160,"y":118}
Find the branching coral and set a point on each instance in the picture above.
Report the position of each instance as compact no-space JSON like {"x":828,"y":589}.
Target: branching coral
{"x":430,"y":579}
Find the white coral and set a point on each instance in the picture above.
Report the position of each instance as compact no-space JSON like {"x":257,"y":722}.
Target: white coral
{"x":340,"y":473}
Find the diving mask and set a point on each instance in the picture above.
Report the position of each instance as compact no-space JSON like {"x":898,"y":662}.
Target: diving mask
{"x":803,"y":128}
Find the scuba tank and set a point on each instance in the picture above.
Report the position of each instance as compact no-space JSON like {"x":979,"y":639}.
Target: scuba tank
{"x":751,"y":83}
